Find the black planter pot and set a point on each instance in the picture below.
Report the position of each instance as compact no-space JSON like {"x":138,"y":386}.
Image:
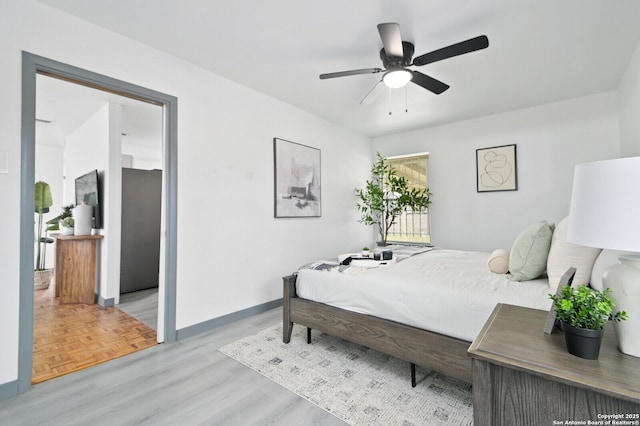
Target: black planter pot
{"x":582,"y":342}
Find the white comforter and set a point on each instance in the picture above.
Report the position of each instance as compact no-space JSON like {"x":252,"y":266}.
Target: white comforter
{"x":449,"y":292}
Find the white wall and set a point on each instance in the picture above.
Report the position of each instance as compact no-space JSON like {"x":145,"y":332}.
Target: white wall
{"x":225,"y":171}
{"x":550,"y":140}
{"x":95,"y":144}
{"x":86,"y":149}
{"x":144,"y":158}
{"x":143,"y":140}
{"x":629,"y":99}
{"x":226,"y":200}
{"x":112,"y":200}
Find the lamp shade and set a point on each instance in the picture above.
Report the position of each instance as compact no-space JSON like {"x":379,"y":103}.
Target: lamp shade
{"x":605,"y":205}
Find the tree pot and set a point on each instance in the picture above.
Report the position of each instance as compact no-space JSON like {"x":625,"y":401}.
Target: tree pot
{"x":582,"y":342}
{"x":42,"y":278}
{"x":65,"y":230}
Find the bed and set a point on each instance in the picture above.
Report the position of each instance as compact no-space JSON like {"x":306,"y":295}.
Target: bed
{"x":427,"y":307}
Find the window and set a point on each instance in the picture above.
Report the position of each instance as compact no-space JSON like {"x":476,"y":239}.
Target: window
{"x":411,"y":226}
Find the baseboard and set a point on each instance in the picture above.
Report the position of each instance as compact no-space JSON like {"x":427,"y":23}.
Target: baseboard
{"x":106,"y":302}
{"x":226,"y":319}
{"x":8,"y":390}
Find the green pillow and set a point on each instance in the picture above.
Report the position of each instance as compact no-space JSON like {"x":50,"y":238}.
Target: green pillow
{"x":528,"y":257}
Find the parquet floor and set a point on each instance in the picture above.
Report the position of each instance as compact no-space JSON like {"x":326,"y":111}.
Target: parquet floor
{"x":72,"y":337}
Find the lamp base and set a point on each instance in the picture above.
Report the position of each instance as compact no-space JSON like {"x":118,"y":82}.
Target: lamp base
{"x":624,"y":281}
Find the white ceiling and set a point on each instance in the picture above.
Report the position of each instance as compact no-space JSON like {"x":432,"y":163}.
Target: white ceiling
{"x":65,"y":106}
{"x":539,"y":51}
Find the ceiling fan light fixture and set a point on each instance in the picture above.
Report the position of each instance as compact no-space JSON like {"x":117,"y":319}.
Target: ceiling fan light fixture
{"x":397,"y":78}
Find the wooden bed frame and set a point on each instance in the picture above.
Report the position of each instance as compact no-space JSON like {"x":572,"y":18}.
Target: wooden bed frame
{"x":417,"y":346}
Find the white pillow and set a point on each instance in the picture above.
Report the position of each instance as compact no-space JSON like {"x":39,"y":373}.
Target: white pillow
{"x":499,"y":261}
{"x":605,"y":259}
{"x":528,"y":256}
{"x":563,"y":255}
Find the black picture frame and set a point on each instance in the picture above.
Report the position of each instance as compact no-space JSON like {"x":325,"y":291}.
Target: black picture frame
{"x":496,"y":169}
{"x":297,"y":180}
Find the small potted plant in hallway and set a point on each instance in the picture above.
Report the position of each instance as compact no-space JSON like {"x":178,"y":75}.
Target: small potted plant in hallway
{"x":63,"y":222}
{"x":66,"y":226}
{"x":583,"y":313}
{"x":54,"y":224}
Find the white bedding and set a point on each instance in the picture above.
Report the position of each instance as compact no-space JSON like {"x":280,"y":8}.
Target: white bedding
{"x":449,"y":292}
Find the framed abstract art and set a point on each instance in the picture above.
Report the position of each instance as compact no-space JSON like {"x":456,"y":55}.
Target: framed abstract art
{"x":296,"y":180}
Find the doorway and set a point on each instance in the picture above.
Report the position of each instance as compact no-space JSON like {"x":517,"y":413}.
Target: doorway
{"x":31,"y":66}
{"x":81,"y":129}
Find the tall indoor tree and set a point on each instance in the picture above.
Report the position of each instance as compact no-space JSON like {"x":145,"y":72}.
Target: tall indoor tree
{"x":43,"y":201}
{"x":386,"y":196}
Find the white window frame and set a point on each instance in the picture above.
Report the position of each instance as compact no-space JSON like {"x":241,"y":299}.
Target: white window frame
{"x":411,"y":227}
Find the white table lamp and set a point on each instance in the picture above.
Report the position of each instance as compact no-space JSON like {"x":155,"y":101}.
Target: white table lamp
{"x":605,"y":213}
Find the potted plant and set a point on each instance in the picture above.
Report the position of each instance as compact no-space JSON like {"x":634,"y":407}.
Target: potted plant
{"x":386,"y":196}
{"x":56,"y":224}
{"x":366,"y":252}
{"x":66,"y":226}
{"x":43,"y":200}
{"x":583,"y":313}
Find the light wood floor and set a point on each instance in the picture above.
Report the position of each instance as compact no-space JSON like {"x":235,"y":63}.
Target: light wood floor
{"x":142,"y":305}
{"x":186,"y":382}
{"x":71,"y":337}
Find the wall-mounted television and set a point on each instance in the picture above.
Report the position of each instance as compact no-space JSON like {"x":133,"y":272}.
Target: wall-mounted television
{"x":88,"y":190}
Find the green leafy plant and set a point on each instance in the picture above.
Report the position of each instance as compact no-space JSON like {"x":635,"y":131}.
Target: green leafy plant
{"x":585,"y":308}
{"x":43,"y":201}
{"x":67,"y":222}
{"x":54,"y":224}
{"x":386,"y":196}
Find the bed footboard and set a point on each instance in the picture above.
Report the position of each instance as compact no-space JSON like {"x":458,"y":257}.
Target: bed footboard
{"x":431,"y":350}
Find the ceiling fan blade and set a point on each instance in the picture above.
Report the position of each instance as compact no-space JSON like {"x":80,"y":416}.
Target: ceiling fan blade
{"x":352,"y":72}
{"x":391,"y":39}
{"x":467,"y":46}
{"x":429,"y":83}
{"x":373,"y":94}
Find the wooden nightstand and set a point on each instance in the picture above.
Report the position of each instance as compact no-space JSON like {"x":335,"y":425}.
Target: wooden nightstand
{"x":522,"y":376}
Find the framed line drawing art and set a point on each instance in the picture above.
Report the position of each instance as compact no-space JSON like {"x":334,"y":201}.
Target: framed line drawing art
{"x":496,"y":169}
{"x":296,"y":180}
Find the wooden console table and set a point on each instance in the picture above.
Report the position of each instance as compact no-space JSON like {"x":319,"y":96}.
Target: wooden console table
{"x":522,"y":376}
{"x":75,"y":267}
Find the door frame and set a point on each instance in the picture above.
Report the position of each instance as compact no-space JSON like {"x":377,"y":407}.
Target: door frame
{"x":32,"y":65}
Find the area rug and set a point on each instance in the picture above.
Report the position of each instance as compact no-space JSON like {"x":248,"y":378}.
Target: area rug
{"x":356,"y":384}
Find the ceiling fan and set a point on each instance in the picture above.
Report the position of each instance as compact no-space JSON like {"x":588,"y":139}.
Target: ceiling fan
{"x":396,"y":57}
